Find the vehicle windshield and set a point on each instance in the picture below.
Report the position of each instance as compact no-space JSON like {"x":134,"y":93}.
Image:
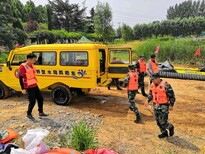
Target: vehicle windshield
{"x":119,"y":56}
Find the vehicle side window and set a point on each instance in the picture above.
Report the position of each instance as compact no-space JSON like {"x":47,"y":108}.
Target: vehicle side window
{"x":71,"y":58}
{"x":18,"y":59}
{"x":119,"y":56}
{"x":45,"y":58}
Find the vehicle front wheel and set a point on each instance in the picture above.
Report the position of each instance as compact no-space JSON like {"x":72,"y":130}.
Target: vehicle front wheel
{"x":4,"y":91}
{"x":61,"y":95}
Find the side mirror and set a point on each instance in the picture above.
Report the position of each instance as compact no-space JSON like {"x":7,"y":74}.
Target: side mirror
{"x":8,"y":64}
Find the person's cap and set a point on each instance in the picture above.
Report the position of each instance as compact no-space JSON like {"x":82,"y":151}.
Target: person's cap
{"x":3,"y":134}
{"x":152,"y":56}
{"x":154,"y":76}
{"x":142,"y":56}
{"x":132,"y":67}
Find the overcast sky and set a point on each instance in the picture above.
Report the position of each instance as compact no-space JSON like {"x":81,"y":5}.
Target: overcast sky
{"x":130,"y":12}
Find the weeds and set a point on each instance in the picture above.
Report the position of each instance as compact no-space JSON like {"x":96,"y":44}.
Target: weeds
{"x":175,"y":50}
{"x":81,"y":137}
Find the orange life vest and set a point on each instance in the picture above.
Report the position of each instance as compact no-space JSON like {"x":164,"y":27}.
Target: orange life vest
{"x":63,"y":151}
{"x":30,"y":74}
{"x":11,"y":135}
{"x":154,"y":66}
{"x":133,"y":81}
{"x":143,"y":66}
{"x":159,"y":93}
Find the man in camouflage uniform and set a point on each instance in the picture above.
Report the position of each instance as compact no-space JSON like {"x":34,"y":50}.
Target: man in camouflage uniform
{"x":162,"y":95}
{"x":137,"y":68}
{"x":131,"y":82}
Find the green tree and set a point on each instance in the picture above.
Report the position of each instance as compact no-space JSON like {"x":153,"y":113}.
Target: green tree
{"x":78,"y":19}
{"x":18,"y":8}
{"x":90,"y":22}
{"x":33,"y":12}
{"x":18,"y":13}
{"x":30,"y":11}
{"x":156,"y":28}
{"x":144,"y":30}
{"x":67,"y":16}
{"x":9,"y":33}
{"x":49,"y":17}
{"x":102,"y":21}
{"x":119,"y":32}
{"x":187,"y":9}
{"x":41,"y":14}
{"x":127,"y":32}
{"x":201,"y":9}
{"x":137,"y":31}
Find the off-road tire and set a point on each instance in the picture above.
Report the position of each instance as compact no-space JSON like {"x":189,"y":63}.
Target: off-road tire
{"x":61,"y":95}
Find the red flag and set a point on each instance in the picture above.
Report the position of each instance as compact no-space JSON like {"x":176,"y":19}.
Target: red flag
{"x":157,"y":49}
{"x":198,"y":52}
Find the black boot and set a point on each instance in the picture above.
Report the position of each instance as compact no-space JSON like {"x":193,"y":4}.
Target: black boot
{"x":171,"y":131}
{"x":143,"y":92}
{"x":138,"y":118}
{"x":118,"y":88}
{"x":163,"y":135}
{"x":145,"y":95}
{"x":108,"y":87}
{"x":137,"y":92}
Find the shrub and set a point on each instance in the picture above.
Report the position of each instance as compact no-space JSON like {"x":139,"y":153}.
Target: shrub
{"x":81,"y":137}
{"x":3,"y":57}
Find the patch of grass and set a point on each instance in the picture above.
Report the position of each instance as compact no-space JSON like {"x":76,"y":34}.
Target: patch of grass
{"x":64,"y":141}
{"x":119,"y":41}
{"x":81,"y":137}
{"x":123,"y":44}
{"x":178,"y":50}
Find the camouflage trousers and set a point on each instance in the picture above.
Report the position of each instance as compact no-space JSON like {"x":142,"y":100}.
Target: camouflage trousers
{"x":161,"y":116}
{"x":131,"y":98}
{"x":141,"y":80}
{"x":114,"y":81}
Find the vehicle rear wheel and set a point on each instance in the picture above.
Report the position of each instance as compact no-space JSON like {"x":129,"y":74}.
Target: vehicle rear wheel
{"x":61,"y":95}
{"x":4,"y":91}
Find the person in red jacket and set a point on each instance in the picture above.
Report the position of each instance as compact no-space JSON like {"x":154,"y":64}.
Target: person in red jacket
{"x":28,"y":82}
{"x":131,"y":82}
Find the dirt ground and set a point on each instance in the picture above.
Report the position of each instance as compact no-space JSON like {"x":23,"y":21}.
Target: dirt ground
{"x":117,"y":131}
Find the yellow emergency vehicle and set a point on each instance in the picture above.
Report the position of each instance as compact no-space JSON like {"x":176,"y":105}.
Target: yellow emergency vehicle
{"x":64,"y":69}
